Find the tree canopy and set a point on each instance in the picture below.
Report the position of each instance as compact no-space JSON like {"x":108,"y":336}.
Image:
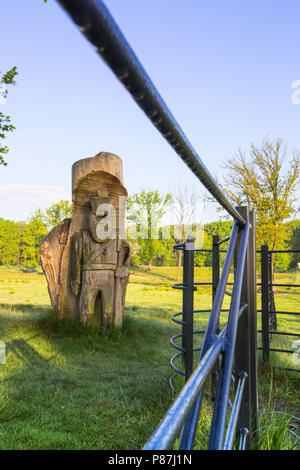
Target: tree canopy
{"x":5,"y":122}
{"x":265,"y":180}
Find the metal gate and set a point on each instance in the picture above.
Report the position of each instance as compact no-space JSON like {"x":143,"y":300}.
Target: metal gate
{"x":268,"y":309}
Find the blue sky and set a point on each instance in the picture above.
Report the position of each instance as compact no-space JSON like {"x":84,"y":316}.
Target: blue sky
{"x":225,"y":69}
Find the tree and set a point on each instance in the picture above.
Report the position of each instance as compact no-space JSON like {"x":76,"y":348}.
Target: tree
{"x":186,"y":206}
{"x":58,"y":212}
{"x":9,"y":242}
{"x":33,"y":233}
{"x":261,"y":182}
{"x":54,"y":214}
{"x":295,"y":242}
{"x":37,"y":227}
{"x":145,"y":211}
{"x":5,"y":123}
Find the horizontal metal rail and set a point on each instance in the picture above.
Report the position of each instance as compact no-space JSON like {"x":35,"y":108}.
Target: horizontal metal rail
{"x":283,"y":333}
{"x":278,"y":350}
{"x":228,"y":292}
{"x":224,"y":240}
{"x":288,"y":351}
{"x":283,"y":285}
{"x":99,"y":27}
{"x":284,"y":251}
{"x":281,"y":312}
{"x":290,"y":369}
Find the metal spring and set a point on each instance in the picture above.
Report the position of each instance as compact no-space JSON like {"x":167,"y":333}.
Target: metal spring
{"x":179,"y":348}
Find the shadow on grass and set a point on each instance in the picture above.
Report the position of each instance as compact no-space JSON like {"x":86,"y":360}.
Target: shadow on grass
{"x":144,"y":282}
{"x":26,"y":352}
{"x":146,"y":270}
{"x":31,"y":269}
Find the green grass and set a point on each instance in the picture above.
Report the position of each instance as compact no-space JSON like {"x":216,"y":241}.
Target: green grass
{"x":67,"y":387}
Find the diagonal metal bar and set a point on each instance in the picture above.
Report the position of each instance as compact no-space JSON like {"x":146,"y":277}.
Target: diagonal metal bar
{"x":231,"y":431}
{"x":165,"y":434}
{"x":189,"y":431}
{"x":219,"y":417}
{"x":99,"y":27}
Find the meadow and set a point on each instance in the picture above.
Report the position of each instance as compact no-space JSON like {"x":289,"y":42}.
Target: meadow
{"x":67,"y":387}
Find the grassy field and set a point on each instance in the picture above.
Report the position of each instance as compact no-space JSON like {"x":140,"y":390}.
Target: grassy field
{"x":65,"y":387}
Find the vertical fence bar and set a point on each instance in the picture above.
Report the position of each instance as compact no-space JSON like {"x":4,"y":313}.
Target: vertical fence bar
{"x":272,"y":309}
{"x":252,"y":311}
{"x":265,"y":321}
{"x":215,"y":265}
{"x":246,"y":341}
{"x":215,"y":283}
{"x":188,"y":305}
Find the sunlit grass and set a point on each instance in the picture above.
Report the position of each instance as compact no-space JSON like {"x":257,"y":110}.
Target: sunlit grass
{"x":66,"y":387}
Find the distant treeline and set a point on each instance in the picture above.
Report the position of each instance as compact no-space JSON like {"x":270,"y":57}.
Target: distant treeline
{"x":166,"y":256}
{"x":19,"y":241}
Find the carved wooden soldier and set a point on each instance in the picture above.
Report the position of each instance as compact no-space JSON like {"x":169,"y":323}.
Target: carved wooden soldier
{"x":86,"y":258}
{"x":99,"y":262}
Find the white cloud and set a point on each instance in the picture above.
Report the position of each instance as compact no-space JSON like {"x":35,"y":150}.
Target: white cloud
{"x":18,"y":201}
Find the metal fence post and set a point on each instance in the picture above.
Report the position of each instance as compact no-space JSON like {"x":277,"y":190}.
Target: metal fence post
{"x":188,"y":305}
{"x":272,"y":308}
{"x":215,"y":283}
{"x":265,"y":320}
{"x":215,"y":265}
{"x":246,"y":340}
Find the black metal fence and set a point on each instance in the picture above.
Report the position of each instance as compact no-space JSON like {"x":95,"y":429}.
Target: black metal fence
{"x":228,"y":354}
{"x":234,"y":347}
{"x":187,"y":350}
{"x":268,"y":309}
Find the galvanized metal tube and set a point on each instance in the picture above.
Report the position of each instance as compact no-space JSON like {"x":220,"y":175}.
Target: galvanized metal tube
{"x":230,"y":436}
{"x":219,"y":417}
{"x":189,"y":431}
{"x":228,"y":292}
{"x":283,"y":285}
{"x":225,"y":239}
{"x":284,"y":313}
{"x":243,"y":438}
{"x":99,"y":27}
{"x":168,"y":430}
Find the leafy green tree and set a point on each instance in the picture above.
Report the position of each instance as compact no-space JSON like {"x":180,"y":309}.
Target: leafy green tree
{"x":263,"y":181}
{"x":5,"y":122}
{"x":33,"y":233}
{"x":58,"y":212}
{"x":37,"y":227}
{"x":221,"y":228}
{"x":9,"y":242}
{"x":186,"y":207}
{"x":145,"y":210}
{"x":54,"y":214}
{"x":295,"y":242}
